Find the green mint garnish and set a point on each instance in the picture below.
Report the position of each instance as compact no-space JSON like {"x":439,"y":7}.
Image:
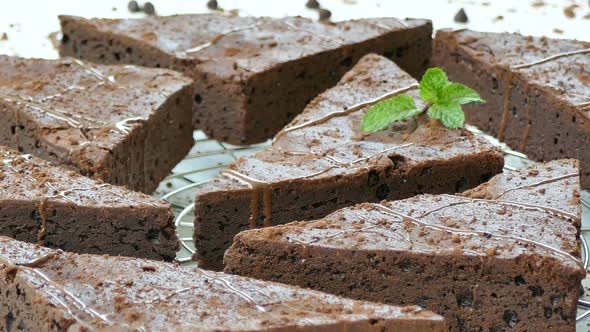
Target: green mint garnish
{"x":444,"y":101}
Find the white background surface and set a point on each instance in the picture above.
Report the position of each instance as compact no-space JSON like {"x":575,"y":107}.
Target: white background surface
{"x":28,"y":23}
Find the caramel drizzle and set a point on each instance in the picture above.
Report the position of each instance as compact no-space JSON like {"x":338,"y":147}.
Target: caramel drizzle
{"x":338,"y":163}
{"x":257,"y":187}
{"x":346,"y":111}
{"x":538,"y":207}
{"x":54,"y":113}
{"x":122,"y":126}
{"x":288,"y":25}
{"x":75,"y":304}
{"x":43,"y":214}
{"x":218,"y":37}
{"x":506,"y":113}
{"x":539,"y":183}
{"x":294,"y":28}
{"x":550,"y":58}
{"x":556,"y":251}
{"x":95,"y":72}
{"x":527,"y":129}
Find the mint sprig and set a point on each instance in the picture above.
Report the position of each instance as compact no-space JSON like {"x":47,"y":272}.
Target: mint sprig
{"x":443,"y":98}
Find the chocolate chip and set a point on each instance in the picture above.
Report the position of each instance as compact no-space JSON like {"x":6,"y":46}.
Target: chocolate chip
{"x":325,"y":14}
{"x":373,"y":178}
{"x":212,"y":4}
{"x":519,"y":280}
{"x":312,"y":4}
{"x":536,"y":290}
{"x":461,"y":16}
{"x":382,"y":191}
{"x":548,"y":312}
{"x":511,"y":317}
{"x":133,"y":7}
{"x":149,"y":8}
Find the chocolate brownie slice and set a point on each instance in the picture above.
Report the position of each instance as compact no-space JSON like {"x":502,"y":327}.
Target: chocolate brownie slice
{"x":125,"y":125}
{"x":44,"y":290}
{"x":322,"y":162}
{"x":56,"y":207}
{"x":537,"y":90}
{"x":503,"y":256}
{"x":252,"y":74}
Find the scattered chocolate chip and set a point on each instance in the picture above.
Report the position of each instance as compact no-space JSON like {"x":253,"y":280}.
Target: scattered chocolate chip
{"x":149,"y":8}
{"x":4,"y":36}
{"x":148,"y":268}
{"x":325,"y":14}
{"x":133,"y":7}
{"x":461,"y":16}
{"x":212,"y":4}
{"x":312,"y":4}
{"x":569,"y":11}
{"x":558,"y":31}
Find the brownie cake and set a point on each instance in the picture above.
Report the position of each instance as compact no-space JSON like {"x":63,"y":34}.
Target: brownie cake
{"x":322,"y":162}
{"x":45,"y":290}
{"x":125,"y":125}
{"x":537,"y":90}
{"x":505,"y":255}
{"x":58,"y":208}
{"x":252,"y":75}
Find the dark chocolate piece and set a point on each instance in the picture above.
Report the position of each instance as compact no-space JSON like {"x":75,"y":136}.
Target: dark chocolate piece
{"x":123,"y":124}
{"x":322,"y":162}
{"x":43,"y":290}
{"x":58,"y":208}
{"x":503,"y":256}
{"x":252,"y":75}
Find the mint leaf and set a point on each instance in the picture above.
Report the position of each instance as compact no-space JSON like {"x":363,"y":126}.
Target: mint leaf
{"x":450,"y":114}
{"x":460,"y":94}
{"x":387,"y":111}
{"x":432,"y":84}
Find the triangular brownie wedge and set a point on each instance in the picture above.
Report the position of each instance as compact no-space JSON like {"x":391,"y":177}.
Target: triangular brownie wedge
{"x":505,"y":255}
{"x":252,"y":74}
{"x":54,"y":206}
{"x":123,"y":124}
{"x":45,"y":290}
{"x":537,"y":90}
{"x":322,"y":162}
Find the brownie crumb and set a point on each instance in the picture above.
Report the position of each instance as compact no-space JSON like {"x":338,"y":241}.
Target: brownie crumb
{"x":149,"y":8}
{"x":325,"y":14}
{"x":4,"y":36}
{"x":133,"y":7}
{"x":461,"y":16}
{"x":212,"y":4}
{"x":558,"y":31}
{"x":312,"y":4}
{"x":538,"y":4}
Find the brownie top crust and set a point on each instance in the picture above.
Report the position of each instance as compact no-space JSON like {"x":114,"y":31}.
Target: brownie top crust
{"x":244,"y":45}
{"x":119,"y":293}
{"x":26,"y":178}
{"x":80,"y":110}
{"x":534,"y":212}
{"x":560,"y":66}
{"x":325,"y":142}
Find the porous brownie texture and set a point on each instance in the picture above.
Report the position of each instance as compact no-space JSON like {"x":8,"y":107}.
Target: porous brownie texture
{"x":124,"y":125}
{"x":315,"y":167}
{"x":503,"y":256}
{"x":252,"y":74}
{"x":56,"y":207}
{"x":45,"y":290}
{"x":536,"y":89}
